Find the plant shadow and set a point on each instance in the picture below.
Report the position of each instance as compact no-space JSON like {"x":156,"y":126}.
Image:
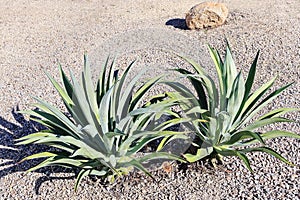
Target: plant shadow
{"x":177,"y":23}
{"x":11,"y":154}
{"x":43,"y":179}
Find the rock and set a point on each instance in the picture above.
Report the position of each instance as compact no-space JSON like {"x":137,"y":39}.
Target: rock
{"x":206,"y":15}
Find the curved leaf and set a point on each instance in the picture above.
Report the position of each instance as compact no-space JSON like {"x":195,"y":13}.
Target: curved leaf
{"x":263,"y":103}
{"x":83,"y":173}
{"x":268,"y":151}
{"x":245,"y":159}
{"x":277,"y":113}
{"x":241,"y":135}
{"x":272,"y":134}
{"x":260,"y":123}
{"x":201,"y":153}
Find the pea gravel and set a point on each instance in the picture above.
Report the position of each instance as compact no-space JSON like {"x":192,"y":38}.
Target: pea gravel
{"x":37,"y":35}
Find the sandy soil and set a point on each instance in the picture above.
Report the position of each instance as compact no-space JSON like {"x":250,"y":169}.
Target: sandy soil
{"x":37,"y":35}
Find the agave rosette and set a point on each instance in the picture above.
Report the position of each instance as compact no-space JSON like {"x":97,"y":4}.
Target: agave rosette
{"x":106,"y":125}
{"x":224,"y":119}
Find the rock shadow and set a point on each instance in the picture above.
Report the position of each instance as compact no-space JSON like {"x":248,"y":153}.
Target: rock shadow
{"x":177,"y":23}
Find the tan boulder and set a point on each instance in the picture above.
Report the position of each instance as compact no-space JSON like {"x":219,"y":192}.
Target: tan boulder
{"x":206,"y":15}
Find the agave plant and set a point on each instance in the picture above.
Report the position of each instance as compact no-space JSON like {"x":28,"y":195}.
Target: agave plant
{"x":224,"y":119}
{"x":105,"y":125}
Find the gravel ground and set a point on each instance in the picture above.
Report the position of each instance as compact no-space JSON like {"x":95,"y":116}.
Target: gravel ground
{"x":36,"y":35}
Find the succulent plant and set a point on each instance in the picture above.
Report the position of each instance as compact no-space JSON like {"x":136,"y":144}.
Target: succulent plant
{"x":225,"y":120}
{"x":105,"y":126}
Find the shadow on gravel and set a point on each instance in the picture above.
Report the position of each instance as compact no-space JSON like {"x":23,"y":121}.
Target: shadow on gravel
{"x":177,"y":23}
{"x":43,"y":179}
{"x":13,"y":154}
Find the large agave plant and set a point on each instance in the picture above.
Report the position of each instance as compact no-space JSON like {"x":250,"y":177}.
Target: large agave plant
{"x":105,"y":126}
{"x":223,"y":119}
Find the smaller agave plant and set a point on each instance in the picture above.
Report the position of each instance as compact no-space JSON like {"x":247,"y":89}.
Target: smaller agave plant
{"x":223,"y":119}
{"x":105,"y":126}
